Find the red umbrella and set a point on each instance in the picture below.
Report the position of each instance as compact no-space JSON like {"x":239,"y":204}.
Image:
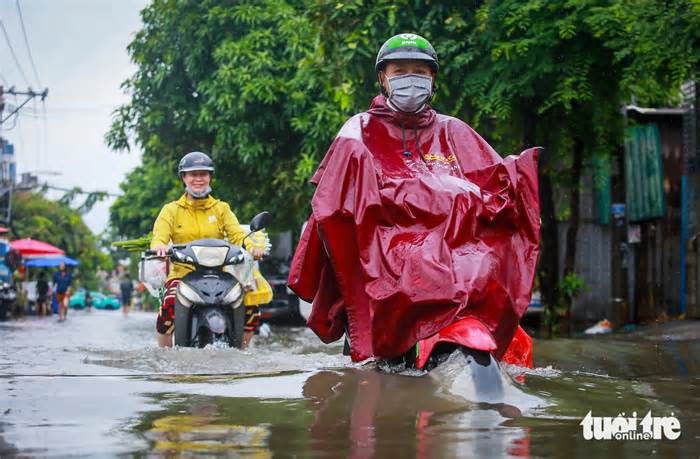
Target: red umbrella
{"x":31,"y":247}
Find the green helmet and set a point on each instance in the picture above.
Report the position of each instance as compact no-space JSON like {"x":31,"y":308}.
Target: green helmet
{"x":406,"y":46}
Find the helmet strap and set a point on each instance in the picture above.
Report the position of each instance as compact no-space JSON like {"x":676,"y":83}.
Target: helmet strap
{"x":381,"y":86}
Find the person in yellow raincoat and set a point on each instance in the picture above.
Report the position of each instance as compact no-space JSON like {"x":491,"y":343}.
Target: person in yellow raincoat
{"x":196,"y":215}
{"x":261,"y":294}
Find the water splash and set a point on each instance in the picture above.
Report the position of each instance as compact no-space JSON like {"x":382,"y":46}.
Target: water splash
{"x":457,"y":378}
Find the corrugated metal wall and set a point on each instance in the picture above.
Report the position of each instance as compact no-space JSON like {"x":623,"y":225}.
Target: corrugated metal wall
{"x":653,"y":278}
{"x":592,"y":260}
{"x":658,"y":271}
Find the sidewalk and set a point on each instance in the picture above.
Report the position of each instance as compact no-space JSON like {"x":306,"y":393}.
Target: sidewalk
{"x":674,"y":330}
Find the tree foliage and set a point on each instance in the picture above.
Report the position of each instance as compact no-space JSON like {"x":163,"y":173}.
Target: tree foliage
{"x":264,"y":85}
{"x":36,"y":217}
{"x":657,"y":43}
{"x":145,"y":191}
{"x":219,"y":78}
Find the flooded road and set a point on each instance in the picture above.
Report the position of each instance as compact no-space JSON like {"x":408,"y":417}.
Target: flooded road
{"x":97,"y":386}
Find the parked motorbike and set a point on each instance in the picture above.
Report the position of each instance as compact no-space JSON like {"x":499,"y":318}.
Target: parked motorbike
{"x":8,"y":296}
{"x":209,"y":300}
{"x":8,"y":293}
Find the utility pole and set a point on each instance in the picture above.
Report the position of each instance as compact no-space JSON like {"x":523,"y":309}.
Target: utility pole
{"x":29,"y":93}
{"x":5,"y":187}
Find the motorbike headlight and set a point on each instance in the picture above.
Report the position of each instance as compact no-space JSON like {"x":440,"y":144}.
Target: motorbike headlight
{"x":187,"y":295}
{"x":233,"y":295}
{"x":211,"y":257}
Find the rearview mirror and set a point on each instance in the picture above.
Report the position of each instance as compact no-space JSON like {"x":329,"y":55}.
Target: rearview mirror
{"x":260,"y":221}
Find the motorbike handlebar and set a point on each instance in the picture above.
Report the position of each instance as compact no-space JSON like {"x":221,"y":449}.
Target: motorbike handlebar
{"x":169,"y":253}
{"x":151,"y":252}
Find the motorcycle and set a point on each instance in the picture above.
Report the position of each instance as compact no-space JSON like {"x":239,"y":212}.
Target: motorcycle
{"x":469,"y":339}
{"x":8,"y":297}
{"x":8,"y":292}
{"x":209,"y":300}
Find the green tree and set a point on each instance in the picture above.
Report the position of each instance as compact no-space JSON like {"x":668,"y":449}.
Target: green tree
{"x":265,"y":85}
{"x":36,"y":217}
{"x":219,"y":78}
{"x":524,"y":73}
{"x":657,"y":43}
{"x":536,"y":65}
{"x":145,"y":190}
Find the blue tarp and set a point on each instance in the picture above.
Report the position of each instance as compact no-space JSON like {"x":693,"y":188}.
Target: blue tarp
{"x":50,"y":262}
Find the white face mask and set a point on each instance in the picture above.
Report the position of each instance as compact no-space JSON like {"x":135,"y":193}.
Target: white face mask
{"x":410,"y":92}
{"x":199,"y":195}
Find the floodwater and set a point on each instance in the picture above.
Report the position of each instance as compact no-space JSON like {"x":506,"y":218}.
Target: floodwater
{"x":96,"y":386}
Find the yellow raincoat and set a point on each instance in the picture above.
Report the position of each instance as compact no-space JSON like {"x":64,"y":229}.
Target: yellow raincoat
{"x":262,"y":294}
{"x":185,"y":220}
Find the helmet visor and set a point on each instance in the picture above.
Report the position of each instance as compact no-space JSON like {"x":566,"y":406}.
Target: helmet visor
{"x":197,"y":168}
{"x":408,"y":55}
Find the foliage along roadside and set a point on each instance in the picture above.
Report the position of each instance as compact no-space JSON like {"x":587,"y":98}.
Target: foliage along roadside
{"x":37,"y":217}
{"x":265,"y":85}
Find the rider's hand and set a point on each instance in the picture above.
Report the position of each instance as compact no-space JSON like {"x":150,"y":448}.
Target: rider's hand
{"x":162,"y":250}
{"x":258,"y":253}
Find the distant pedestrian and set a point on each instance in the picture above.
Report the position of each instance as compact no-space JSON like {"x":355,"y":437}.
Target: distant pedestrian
{"x":62,"y":280}
{"x":42,"y":291}
{"x":127,"y":288}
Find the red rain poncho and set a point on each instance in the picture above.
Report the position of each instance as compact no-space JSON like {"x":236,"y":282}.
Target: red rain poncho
{"x":399,"y":246}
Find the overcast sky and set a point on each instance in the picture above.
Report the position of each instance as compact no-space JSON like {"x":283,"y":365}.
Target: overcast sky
{"x":79,"y":48}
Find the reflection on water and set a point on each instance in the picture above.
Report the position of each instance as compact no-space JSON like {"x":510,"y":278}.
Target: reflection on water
{"x":194,"y":425}
{"x":200,"y":431}
{"x":370,"y":414}
{"x":97,"y":386}
{"x":346,"y":413}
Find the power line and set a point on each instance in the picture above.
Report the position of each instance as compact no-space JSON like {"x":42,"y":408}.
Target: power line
{"x":12,"y":51}
{"x":45,"y":136}
{"x":37,"y":139}
{"x":4,"y":128}
{"x":26,"y":42}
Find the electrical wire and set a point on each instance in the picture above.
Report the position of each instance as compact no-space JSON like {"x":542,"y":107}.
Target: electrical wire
{"x":12,"y":51}
{"x":20,"y":137}
{"x":4,"y":128}
{"x":45,"y":136}
{"x":26,"y":43}
{"x":37,"y":139}
{"x":17,"y":109}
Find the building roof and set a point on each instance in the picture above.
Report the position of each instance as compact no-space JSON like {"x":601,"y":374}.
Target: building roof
{"x":672,"y":111}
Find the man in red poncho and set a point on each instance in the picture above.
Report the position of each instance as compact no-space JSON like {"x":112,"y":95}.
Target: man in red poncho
{"x":416,"y":224}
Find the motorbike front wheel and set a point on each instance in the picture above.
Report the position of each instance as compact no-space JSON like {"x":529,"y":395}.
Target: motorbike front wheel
{"x":237,"y":327}
{"x":182,"y":325}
